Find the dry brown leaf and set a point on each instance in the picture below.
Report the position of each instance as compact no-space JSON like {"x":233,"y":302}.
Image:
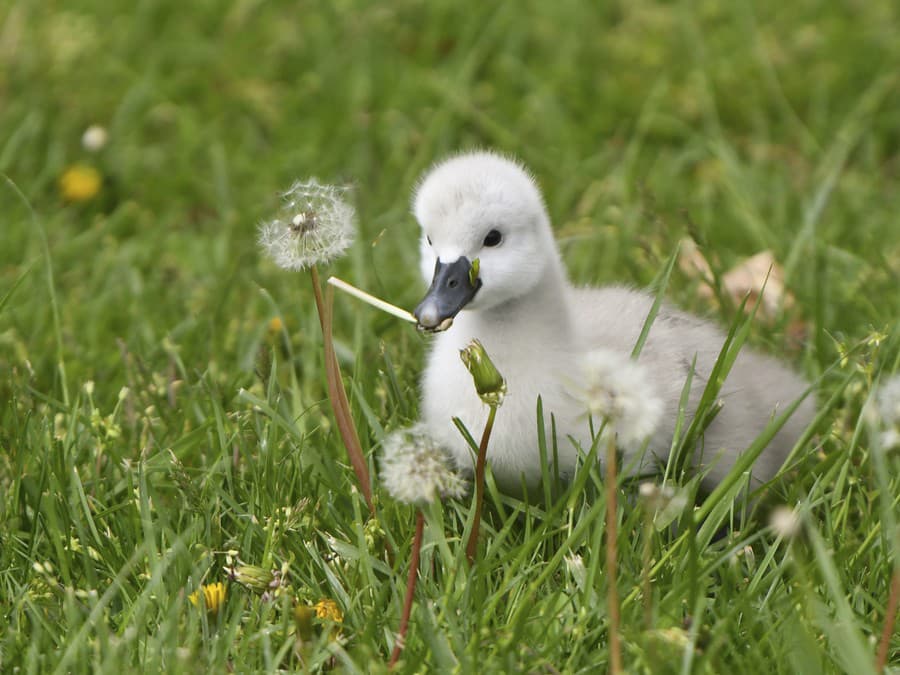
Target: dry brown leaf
{"x":692,"y":262}
{"x":759,"y":274}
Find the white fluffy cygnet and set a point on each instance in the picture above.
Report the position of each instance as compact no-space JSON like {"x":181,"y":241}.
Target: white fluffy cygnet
{"x":542,"y":333}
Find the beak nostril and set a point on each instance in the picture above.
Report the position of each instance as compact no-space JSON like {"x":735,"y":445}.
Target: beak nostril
{"x":453,"y":283}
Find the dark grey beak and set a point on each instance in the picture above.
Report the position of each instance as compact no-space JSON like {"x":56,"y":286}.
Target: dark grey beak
{"x":451,"y":289}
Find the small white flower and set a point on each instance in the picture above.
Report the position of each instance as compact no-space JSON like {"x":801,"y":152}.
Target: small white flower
{"x":785,"y":522}
{"x":315,"y":226}
{"x":94,"y":138}
{"x":415,"y":470}
{"x":616,"y":389}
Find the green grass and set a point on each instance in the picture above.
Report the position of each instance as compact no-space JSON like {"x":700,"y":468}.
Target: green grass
{"x":765,"y":125}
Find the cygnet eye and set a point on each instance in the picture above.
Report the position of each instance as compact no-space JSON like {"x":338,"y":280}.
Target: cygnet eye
{"x":493,"y":238}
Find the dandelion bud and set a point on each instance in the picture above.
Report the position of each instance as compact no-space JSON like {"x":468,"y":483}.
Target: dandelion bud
{"x":303,"y":616}
{"x":251,"y":576}
{"x":489,"y":383}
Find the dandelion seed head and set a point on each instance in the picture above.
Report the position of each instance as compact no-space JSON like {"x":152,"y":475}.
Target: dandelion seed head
{"x":617,"y":389}
{"x":415,"y":470}
{"x":785,"y":522}
{"x":94,"y":138}
{"x":314,"y":226}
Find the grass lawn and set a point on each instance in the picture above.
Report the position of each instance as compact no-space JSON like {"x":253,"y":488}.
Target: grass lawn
{"x":163,"y":404}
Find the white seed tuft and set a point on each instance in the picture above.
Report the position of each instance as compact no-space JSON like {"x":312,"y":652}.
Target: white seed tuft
{"x":616,"y":389}
{"x":415,"y":470}
{"x":94,"y":138}
{"x":315,"y":226}
{"x":785,"y":522}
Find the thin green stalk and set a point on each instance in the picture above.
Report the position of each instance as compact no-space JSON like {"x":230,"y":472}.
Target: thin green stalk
{"x":472,"y":544}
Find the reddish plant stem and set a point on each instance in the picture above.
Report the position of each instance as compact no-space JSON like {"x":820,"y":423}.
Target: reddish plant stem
{"x":615,"y":647}
{"x":890,"y":618}
{"x":472,"y":544}
{"x":645,"y":570}
{"x":338,"y":396}
{"x":410,"y":588}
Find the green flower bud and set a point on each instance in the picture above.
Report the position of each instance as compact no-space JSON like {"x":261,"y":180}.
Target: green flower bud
{"x":473,"y":272}
{"x":489,"y":383}
{"x":253,"y":577}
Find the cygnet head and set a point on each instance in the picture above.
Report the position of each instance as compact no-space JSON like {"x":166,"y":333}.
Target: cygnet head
{"x":480,"y":206}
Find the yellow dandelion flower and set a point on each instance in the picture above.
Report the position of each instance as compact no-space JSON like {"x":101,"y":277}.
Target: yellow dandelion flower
{"x":328,"y":609}
{"x":276,"y":324}
{"x":80,"y":183}
{"x":213,"y":597}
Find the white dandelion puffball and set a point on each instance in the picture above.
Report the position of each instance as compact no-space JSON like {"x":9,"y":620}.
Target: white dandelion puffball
{"x":415,"y":470}
{"x":616,"y":389}
{"x":315,"y":226}
{"x":94,"y":138}
{"x":785,"y":522}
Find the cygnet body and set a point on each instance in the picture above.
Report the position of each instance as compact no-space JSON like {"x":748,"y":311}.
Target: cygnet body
{"x":538,"y":328}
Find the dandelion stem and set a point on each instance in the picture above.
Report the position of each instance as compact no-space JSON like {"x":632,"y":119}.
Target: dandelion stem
{"x":410,"y":588}
{"x":645,"y":570}
{"x":338,"y":396}
{"x":615,"y":648}
{"x":472,"y":544}
{"x":890,"y":618}
{"x":383,"y":305}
